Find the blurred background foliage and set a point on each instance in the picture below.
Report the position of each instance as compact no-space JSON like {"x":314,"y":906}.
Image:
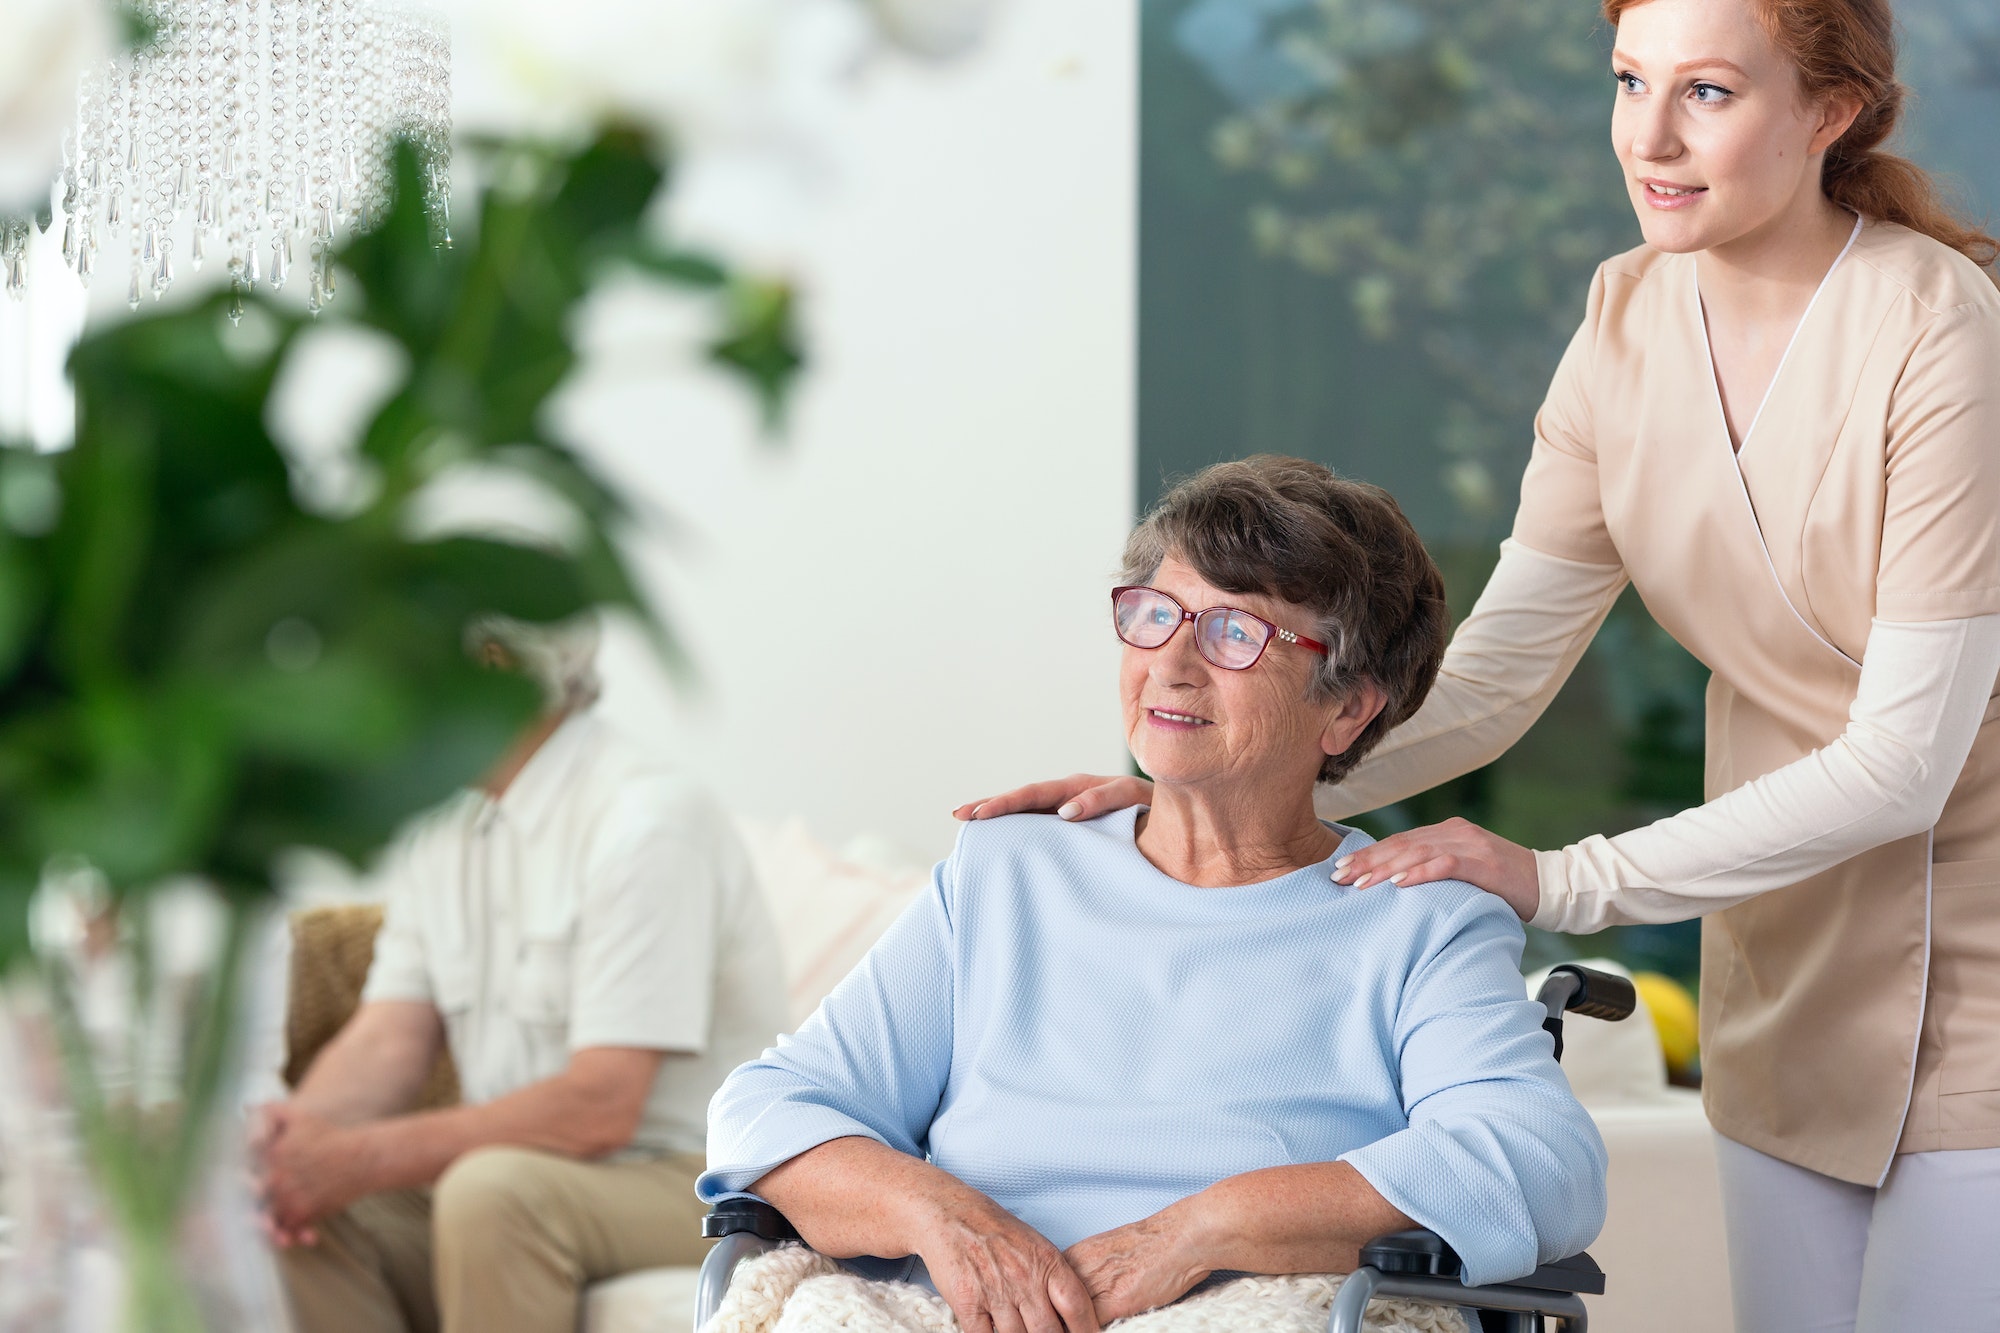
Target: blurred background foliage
{"x":208,"y":656}
{"x":1366,"y":230}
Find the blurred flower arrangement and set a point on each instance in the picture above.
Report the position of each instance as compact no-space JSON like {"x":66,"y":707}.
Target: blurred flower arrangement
{"x":216,"y":647}
{"x":50,"y":45}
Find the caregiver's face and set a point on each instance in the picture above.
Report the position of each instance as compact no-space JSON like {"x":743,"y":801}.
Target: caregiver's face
{"x":1710,"y":127}
{"x":1189,"y":721}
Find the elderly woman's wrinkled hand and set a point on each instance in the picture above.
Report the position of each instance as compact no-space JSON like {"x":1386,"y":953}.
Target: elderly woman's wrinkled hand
{"x":1137,"y":1267}
{"x":1456,"y":849}
{"x":1000,"y":1275}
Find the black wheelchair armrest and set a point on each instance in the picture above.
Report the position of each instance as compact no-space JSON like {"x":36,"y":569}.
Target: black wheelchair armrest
{"x":1417,"y":1252}
{"x":1423,"y":1253}
{"x":1578,"y":1275}
{"x":736,"y":1216}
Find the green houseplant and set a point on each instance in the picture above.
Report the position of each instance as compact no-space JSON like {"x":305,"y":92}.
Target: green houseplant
{"x":202,"y":665}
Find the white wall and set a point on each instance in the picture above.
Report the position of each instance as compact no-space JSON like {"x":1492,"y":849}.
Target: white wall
{"x":900,"y":605}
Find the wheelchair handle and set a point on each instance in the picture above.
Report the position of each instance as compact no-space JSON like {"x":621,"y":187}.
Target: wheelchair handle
{"x":1573,"y":988}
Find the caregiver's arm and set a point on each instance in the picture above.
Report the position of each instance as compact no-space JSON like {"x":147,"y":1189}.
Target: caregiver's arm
{"x":1924,"y":691}
{"x":1532,"y":622}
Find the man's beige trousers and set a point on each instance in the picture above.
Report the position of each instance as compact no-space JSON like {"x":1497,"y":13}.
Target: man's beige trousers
{"x":504,"y":1244}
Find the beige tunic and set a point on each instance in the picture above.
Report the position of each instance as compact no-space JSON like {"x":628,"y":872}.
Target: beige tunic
{"x":1857,"y":1013}
{"x":1870,"y":486}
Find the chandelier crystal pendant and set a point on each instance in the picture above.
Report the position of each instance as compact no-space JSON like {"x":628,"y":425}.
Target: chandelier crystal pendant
{"x":251,"y":133}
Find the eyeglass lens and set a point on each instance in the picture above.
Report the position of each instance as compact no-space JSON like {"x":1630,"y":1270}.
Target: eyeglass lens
{"x":1230,"y":639}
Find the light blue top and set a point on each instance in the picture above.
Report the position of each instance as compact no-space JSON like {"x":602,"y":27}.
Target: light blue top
{"x":1087,"y":1040}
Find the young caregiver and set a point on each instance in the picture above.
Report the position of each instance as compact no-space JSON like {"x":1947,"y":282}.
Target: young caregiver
{"x":1780,"y":421}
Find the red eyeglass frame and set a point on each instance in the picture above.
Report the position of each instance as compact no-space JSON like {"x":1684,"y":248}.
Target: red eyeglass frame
{"x":1277,"y":632}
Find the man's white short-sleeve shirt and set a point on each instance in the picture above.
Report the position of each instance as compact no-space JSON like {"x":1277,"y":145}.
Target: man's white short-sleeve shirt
{"x":603,"y":900}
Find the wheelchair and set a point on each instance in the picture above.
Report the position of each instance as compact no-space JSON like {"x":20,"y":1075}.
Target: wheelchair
{"x":1416,"y":1264}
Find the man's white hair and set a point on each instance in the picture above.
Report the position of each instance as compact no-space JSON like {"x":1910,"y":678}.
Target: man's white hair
{"x":560,"y":657}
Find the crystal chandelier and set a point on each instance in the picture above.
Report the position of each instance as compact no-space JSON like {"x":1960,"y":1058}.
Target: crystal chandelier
{"x":251,"y":132}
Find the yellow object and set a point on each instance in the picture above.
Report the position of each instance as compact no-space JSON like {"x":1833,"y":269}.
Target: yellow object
{"x":1674,"y":1018}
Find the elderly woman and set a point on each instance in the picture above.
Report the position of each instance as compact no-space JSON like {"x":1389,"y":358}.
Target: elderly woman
{"x":1096,"y":1063}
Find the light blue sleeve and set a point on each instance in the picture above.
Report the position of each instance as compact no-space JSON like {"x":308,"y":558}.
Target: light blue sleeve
{"x":871,"y":1061}
{"x":1499,"y":1157}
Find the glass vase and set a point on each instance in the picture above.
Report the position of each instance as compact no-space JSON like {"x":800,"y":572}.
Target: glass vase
{"x":125,"y":1204}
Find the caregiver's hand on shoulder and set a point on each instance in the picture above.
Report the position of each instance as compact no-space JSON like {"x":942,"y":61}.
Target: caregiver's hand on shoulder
{"x":1137,"y":1267}
{"x":1078,"y":796}
{"x":1455,"y":849}
{"x":1000,"y":1275}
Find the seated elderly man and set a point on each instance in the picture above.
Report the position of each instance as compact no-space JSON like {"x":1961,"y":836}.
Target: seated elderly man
{"x":585,"y":935}
{"x":1098,"y":1062}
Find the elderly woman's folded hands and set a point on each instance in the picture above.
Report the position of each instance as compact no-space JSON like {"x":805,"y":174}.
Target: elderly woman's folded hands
{"x":1310,"y":1218}
{"x":998,"y":1274}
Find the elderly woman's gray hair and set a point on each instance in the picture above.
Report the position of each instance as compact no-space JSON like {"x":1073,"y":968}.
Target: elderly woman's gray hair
{"x":1292,"y":529}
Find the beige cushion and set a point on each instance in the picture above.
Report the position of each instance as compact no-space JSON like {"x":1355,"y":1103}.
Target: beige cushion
{"x":829,"y":907}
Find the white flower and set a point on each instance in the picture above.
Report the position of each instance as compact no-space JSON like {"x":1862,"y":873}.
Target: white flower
{"x":46,"y":46}
{"x":937,"y":29}
{"x":702,"y":72}
{"x":750,"y":93}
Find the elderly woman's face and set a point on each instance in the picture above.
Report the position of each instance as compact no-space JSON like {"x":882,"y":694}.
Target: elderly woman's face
{"x":1188,"y":721}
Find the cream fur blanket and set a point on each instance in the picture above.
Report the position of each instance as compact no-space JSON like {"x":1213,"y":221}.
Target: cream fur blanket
{"x":794,"y":1290}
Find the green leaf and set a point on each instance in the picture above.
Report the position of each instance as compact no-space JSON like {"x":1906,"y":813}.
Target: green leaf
{"x":17,"y":890}
{"x":100,"y":547}
{"x":411,"y":286}
{"x":569,"y":476}
{"x":337,"y":711}
{"x":761,"y":343}
{"x":20,"y":604}
{"x":468,"y":576}
{"x":685,"y":268}
{"x":138,"y":25}
{"x":463,"y":727}
{"x":135,"y":785}
{"x":607,"y":189}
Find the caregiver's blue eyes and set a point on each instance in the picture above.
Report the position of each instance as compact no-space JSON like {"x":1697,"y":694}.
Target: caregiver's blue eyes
{"x":1707,"y":94}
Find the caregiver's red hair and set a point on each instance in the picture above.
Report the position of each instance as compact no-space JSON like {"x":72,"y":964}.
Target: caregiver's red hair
{"x":1848,"y":48}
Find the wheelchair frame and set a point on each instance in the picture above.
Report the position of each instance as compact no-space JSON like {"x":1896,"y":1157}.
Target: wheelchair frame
{"x":1415,"y":1263}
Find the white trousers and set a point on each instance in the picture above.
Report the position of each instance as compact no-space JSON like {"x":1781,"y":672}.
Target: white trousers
{"x":1811,"y":1254}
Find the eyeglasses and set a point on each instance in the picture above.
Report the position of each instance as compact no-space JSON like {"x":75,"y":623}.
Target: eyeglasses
{"x":1223,"y":635}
